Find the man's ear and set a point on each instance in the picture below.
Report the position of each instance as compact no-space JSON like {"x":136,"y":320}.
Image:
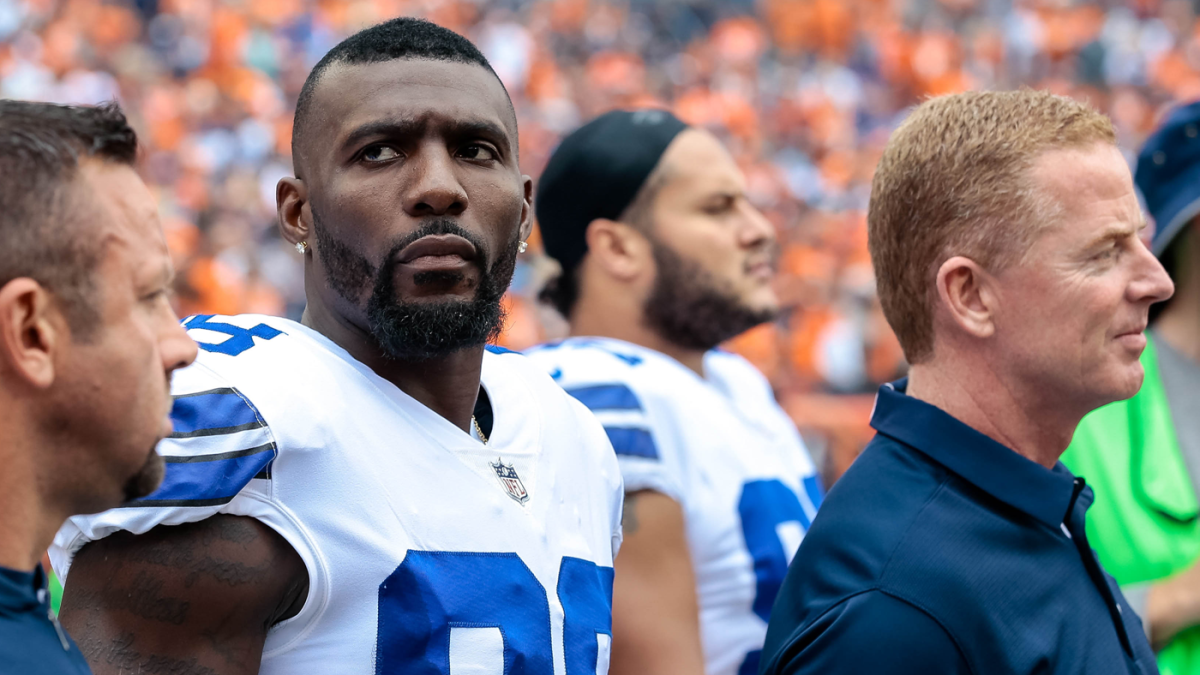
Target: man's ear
{"x":966,"y":294}
{"x":295,"y":221}
{"x":617,"y":248}
{"x":527,"y":208}
{"x":32,"y":327}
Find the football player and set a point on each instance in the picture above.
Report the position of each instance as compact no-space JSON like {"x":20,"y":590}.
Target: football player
{"x":664,"y":258}
{"x":369,"y":490}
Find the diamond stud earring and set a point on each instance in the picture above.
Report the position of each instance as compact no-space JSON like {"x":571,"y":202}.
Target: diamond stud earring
{"x":522,"y":248}
{"x":302,"y":247}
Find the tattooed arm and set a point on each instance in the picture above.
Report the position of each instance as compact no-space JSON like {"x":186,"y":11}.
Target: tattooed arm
{"x":656,"y":622}
{"x":194,"y":599}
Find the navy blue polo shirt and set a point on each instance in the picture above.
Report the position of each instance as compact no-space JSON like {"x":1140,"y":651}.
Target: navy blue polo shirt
{"x":31,"y":643}
{"x":943,"y":551}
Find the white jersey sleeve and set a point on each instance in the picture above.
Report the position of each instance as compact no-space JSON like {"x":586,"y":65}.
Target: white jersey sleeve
{"x":620,"y":391}
{"x":590,"y":427}
{"x":220,"y":459}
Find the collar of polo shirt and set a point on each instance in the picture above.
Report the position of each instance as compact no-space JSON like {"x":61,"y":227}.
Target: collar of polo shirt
{"x":998,"y":470}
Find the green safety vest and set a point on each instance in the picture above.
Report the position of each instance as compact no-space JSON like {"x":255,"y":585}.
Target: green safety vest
{"x":1144,"y":523}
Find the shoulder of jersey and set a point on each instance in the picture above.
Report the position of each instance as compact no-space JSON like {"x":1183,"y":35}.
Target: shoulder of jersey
{"x":582,"y":361}
{"x":626,"y":387}
{"x":518,"y":365}
{"x":243,"y":337}
{"x":277,"y":367}
{"x":739,"y":375}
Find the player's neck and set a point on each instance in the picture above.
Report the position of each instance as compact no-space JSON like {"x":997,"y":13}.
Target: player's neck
{"x":27,"y":524}
{"x":633,"y":330}
{"x":448,"y":385}
{"x":995,"y":406}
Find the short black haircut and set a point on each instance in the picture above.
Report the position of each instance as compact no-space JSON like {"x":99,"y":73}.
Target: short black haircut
{"x":562,"y":291}
{"x":400,"y":38}
{"x":42,"y":216}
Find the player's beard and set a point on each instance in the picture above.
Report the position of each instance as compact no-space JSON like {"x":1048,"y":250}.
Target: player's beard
{"x":147,"y":479}
{"x":422,"y":330}
{"x":691,"y":308}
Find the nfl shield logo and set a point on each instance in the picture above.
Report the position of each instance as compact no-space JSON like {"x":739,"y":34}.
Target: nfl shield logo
{"x":509,"y":480}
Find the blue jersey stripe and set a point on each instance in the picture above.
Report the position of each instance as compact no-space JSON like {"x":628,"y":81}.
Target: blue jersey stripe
{"x":607,"y":397}
{"x":209,"y":479}
{"x":212,"y":413}
{"x":497,"y":349}
{"x":632,"y":442}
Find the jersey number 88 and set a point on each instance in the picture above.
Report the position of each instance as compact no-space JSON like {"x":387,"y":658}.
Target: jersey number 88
{"x":432,"y":593}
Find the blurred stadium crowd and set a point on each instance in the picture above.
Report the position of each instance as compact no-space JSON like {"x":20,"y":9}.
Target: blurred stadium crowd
{"x":804,"y":92}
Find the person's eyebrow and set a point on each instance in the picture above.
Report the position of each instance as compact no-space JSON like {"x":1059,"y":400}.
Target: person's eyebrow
{"x":455,"y":129}
{"x":162,"y":275}
{"x":486,"y":129}
{"x":1117,"y":232}
{"x":390,"y":128}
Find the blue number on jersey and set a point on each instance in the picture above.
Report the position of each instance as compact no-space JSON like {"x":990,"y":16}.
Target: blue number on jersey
{"x":240,"y":339}
{"x":585,"y":590}
{"x":763,"y":507}
{"x":432,"y":592}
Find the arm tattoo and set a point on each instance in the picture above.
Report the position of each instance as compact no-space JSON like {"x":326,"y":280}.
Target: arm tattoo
{"x":192,"y":599}
{"x":629,"y":519}
{"x":120,"y":654}
{"x":142,"y":597}
{"x":181,"y":555}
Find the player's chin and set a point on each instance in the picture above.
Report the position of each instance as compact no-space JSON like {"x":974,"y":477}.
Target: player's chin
{"x":147,"y":479}
{"x":1124,"y":379}
{"x":762,"y":300}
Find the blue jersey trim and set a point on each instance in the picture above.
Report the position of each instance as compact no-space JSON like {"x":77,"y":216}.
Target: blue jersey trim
{"x":497,"y":349}
{"x":607,"y":397}
{"x":209,"y":479}
{"x":632,"y":442}
{"x":212,"y":413}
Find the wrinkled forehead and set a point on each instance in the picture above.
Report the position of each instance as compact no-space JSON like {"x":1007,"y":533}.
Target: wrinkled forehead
{"x":351,"y":96}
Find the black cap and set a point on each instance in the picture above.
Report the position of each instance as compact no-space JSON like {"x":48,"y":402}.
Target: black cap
{"x":596,"y":172}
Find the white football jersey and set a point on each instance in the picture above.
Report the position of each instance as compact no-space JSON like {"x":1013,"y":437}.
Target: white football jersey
{"x":427,"y":551}
{"x":722,"y":447}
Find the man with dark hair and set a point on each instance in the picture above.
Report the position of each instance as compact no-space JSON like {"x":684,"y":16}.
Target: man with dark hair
{"x":371,"y":489}
{"x":88,"y":342}
{"x":664,"y":258}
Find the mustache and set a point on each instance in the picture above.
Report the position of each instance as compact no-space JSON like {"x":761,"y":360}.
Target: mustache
{"x":483,"y":255}
{"x":768,"y":251}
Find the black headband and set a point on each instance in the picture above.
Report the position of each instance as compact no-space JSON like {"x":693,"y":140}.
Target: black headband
{"x":596,"y":172}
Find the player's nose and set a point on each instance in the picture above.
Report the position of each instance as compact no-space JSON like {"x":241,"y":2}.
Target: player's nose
{"x":178,"y":349}
{"x":1152,"y":283}
{"x":755,"y":231}
{"x":434,"y":188}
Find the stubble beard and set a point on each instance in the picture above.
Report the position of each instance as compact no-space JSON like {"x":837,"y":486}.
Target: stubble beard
{"x":147,"y":479}
{"x":692,"y":309}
